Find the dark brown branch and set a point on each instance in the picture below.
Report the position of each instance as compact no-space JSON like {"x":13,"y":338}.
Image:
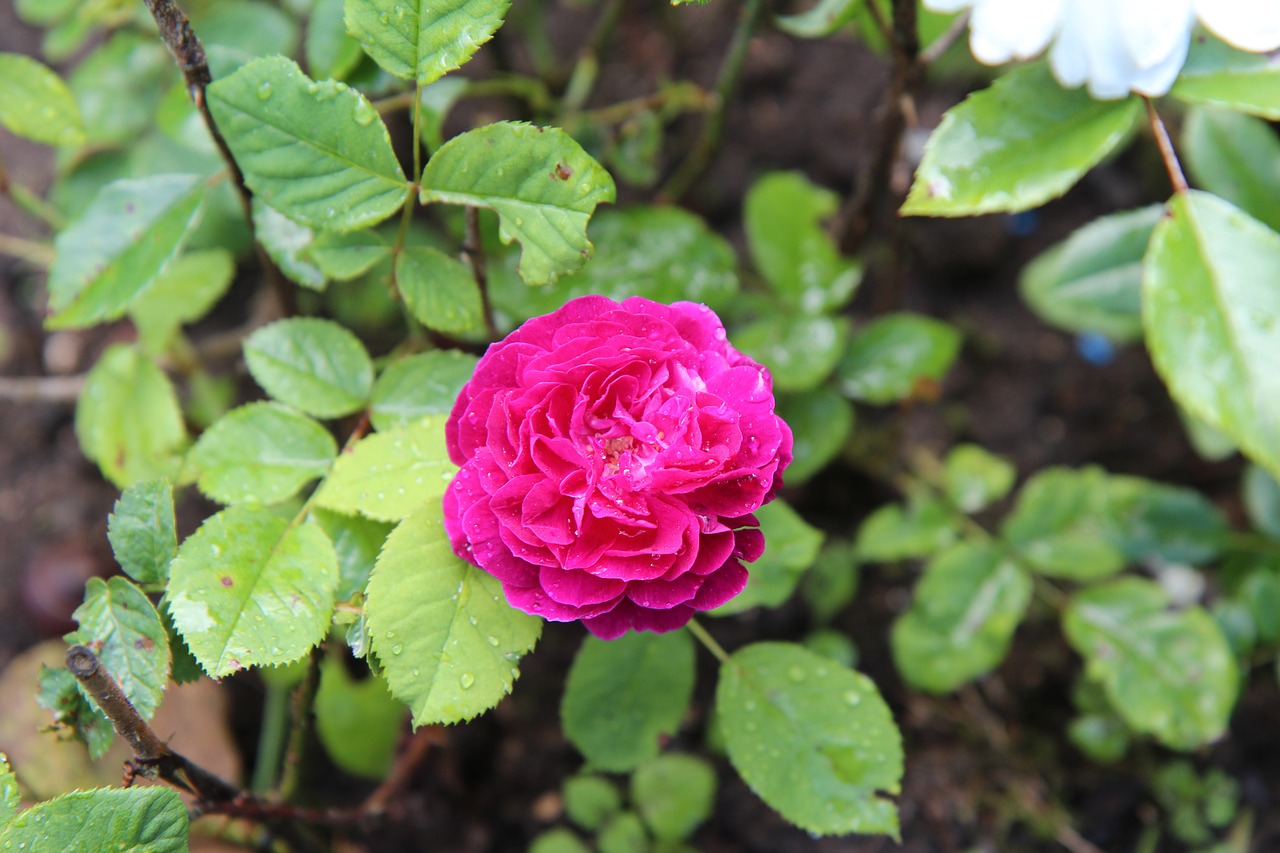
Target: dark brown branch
{"x":413,"y":754}
{"x":473,"y":254}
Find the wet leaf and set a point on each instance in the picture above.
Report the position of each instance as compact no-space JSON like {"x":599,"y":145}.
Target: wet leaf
{"x":311,"y":364}
{"x":153,"y":819}
{"x":389,"y":475}
{"x":119,"y":623}
{"x":141,"y":531}
{"x":419,"y":385}
{"x":890,"y":357}
{"x":35,"y":103}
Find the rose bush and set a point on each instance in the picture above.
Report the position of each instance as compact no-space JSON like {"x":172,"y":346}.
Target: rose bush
{"x":611,"y":458}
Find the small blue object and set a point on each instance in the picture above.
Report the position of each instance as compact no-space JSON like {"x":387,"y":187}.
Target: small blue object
{"x":1023,"y":224}
{"x":1095,"y":348}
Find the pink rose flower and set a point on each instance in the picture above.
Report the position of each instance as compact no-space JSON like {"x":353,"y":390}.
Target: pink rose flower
{"x":612,"y":455}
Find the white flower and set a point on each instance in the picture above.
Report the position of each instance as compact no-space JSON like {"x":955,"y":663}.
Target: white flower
{"x":1115,"y":46}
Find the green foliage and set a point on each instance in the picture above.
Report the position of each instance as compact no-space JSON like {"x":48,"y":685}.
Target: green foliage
{"x":1092,"y":282}
{"x":127,"y":417}
{"x":791,"y":546}
{"x":261,"y":453}
{"x":35,"y":103}
{"x":330,"y":51}
{"x":311,"y":364}
{"x":418,"y":385}
{"x":287,"y":244}
{"x":133,"y":819}
{"x":821,"y":19}
{"x":962,"y":617}
{"x":347,"y":256}
{"x":315,"y":151}
{"x":892,"y":357}
{"x":833,"y":581}
{"x":73,"y":714}
{"x":623,"y":834}
{"x":141,"y":531}
{"x":119,"y":246}
{"x":1262,"y":500}
{"x":1059,"y":525}
{"x":974,"y":479}
{"x":821,"y":422}
{"x":391,"y":474}
{"x":439,"y":291}
{"x":893,"y":532}
{"x":252,"y":589}
{"x":1196,"y":804}
{"x":1235,"y":157}
{"x":119,"y":623}
{"x":1210,"y":327}
{"x":356,"y":541}
{"x":9,"y":794}
{"x":118,"y":87}
{"x":1216,"y":73}
{"x":358,"y":721}
{"x":446,"y":639}
{"x":1149,"y":521}
{"x":558,"y":840}
{"x":1016,"y":145}
{"x":423,"y":41}
{"x":540,"y":182}
{"x":589,"y":801}
{"x":623,"y":696}
{"x":813,"y":739}
{"x":673,"y":794}
{"x":182,"y":293}
{"x":1168,"y":674}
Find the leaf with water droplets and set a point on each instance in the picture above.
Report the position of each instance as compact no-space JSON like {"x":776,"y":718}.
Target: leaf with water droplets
{"x":315,"y":151}
{"x":129,"y":819}
{"x":1211,"y":314}
{"x":538,"y":180}
{"x":121,"y":625}
{"x":312,"y":364}
{"x":9,"y":795}
{"x":251,"y":589}
{"x":415,"y":40}
{"x":898,"y":357}
{"x":439,"y":291}
{"x":624,"y":696}
{"x":1168,"y":673}
{"x":35,"y":103}
{"x":141,"y":531}
{"x":389,"y":475}
{"x":812,"y":738}
{"x":419,"y":385}
{"x":447,"y":640}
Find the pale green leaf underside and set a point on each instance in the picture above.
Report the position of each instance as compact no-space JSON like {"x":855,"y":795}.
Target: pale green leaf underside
{"x":812,"y":738}
{"x":311,"y":364}
{"x":261,"y":453}
{"x":962,"y":618}
{"x":442,"y":629}
{"x":539,"y":181}
{"x":35,"y":103}
{"x":623,"y":695}
{"x":121,"y":625}
{"x":131,"y":820}
{"x":417,"y":40}
{"x":116,"y":249}
{"x":1169,"y":674}
{"x":250,"y":589}
{"x":391,"y":474}
{"x":315,"y":151}
{"x":1210,"y":309}
{"x":1016,"y":145}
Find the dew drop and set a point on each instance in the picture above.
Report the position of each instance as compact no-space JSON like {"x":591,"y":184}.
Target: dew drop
{"x":796,"y":674}
{"x":851,"y":698}
{"x":466,"y":680}
{"x":397,"y":649}
{"x":264,"y":91}
{"x":493,"y":641}
{"x":365,"y":113}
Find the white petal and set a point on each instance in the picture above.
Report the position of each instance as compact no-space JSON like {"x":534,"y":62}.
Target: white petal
{"x":1091,"y":49}
{"x":1002,"y":30}
{"x":1153,"y":30}
{"x":1158,"y":79}
{"x":948,"y":6}
{"x":1252,"y":25}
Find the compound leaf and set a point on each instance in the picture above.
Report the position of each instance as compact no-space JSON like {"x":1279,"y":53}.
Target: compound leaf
{"x":420,"y":41}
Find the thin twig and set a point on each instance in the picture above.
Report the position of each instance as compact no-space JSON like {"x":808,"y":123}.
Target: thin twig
{"x":31,"y":251}
{"x":28,"y":201}
{"x":40,"y":389}
{"x":473,"y":254}
{"x":942,"y":43}
{"x":414,"y":753}
{"x":583,"y":77}
{"x":1170,"y":157}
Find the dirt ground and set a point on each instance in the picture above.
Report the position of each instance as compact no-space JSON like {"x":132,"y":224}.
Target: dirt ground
{"x":988,"y":768}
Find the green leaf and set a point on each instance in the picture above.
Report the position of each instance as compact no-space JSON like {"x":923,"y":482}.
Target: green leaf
{"x":236,"y":31}
{"x":661,"y":253}
{"x":1016,"y":145}
{"x":833,"y":581}
{"x":35,"y":103}
{"x":331,"y":53}
{"x":127,"y":417}
{"x":820,"y":20}
{"x":962,"y":617}
{"x":357,"y":542}
{"x":9,"y":794}
{"x":118,"y":87}
{"x":261,"y":453}
{"x":974,"y":479}
{"x":821,"y":422}
{"x":346,"y":256}
{"x":1235,"y":157}
{"x":674,"y":794}
{"x":812,"y":738}
{"x":1092,"y":282}
{"x":624,"y":833}
{"x":1168,"y":674}
{"x":559,"y":840}
{"x":1218,"y":74}
{"x":126,"y":237}
{"x":1154,"y":521}
{"x":139,"y":819}
{"x":141,"y":531}
{"x":589,"y":801}
{"x":1262,"y":500}
{"x":892,"y":357}
{"x":419,"y":385}
{"x":892,"y":533}
{"x":311,"y":364}
{"x":120,"y":624}
{"x":439,"y":291}
{"x":1060,"y":525}
{"x":315,"y":151}
{"x":624,"y":696}
{"x":389,"y":475}
{"x":60,"y":693}
{"x":250,"y":589}
{"x":540,"y":182}
{"x":182,"y":293}
{"x":791,"y":249}
{"x":286,"y":242}
{"x":358,"y":722}
{"x":800,"y":352}
{"x":422,"y":41}
{"x":184,"y":668}
{"x":1210,"y":317}
{"x":447,"y":640}
{"x":791,"y":546}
